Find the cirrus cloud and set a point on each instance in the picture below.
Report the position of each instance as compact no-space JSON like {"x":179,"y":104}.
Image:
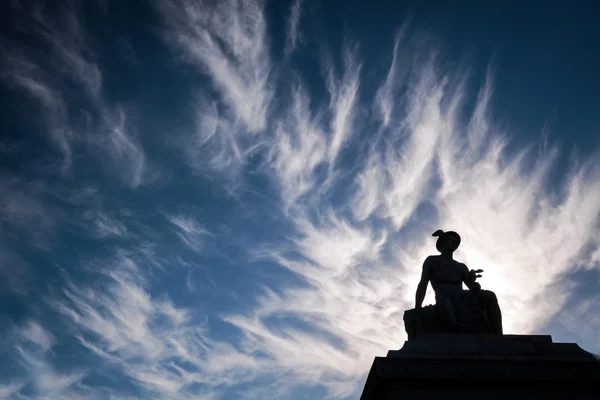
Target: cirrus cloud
{"x":341,"y":180}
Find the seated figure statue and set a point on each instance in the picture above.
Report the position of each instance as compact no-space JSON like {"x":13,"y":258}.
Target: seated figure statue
{"x":456,"y":310}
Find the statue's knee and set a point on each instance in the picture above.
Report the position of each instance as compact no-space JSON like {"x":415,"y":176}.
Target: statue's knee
{"x":489,"y":296}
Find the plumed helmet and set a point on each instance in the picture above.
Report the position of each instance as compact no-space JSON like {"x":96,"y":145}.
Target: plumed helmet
{"x":443,"y":236}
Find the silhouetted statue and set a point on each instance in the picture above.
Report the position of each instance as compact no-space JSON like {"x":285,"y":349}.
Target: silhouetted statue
{"x":456,"y":310}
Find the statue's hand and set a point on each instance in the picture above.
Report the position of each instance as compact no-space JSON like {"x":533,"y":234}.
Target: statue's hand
{"x":473,"y":275}
{"x":476,"y":273}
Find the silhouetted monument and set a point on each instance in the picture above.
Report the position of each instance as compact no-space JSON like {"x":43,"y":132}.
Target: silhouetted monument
{"x":456,"y":348}
{"x":456,"y":310}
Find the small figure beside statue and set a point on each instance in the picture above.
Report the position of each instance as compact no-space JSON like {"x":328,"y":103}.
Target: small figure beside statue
{"x":456,"y":310}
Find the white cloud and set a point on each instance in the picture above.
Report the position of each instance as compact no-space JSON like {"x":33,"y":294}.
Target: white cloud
{"x":354,"y":250}
{"x":65,"y":37}
{"x":214,"y":146}
{"x":68,"y":61}
{"x":121,"y":146}
{"x":293,"y":22}
{"x":371,"y":183}
{"x":396,"y":179}
{"x":334,"y":246}
{"x":15,"y":273}
{"x":583,"y":320}
{"x":150,"y":339}
{"x":120,"y":317}
{"x":48,"y":381}
{"x":10,"y":389}
{"x":388,"y":94}
{"x":360,"y":269}
{"x":300,"y":146}
{"x":105,"y":224}
{"x":344,"y":96}
{"x":190,"y":231}
{"x":228,"y":41}
{"x":25,"y":215}
{"x":25,"y":221}
{"x":25,"y":75}
{"x":516,"y":226}
{"x":36,"y":334}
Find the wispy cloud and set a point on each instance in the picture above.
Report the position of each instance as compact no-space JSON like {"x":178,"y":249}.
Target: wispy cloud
{"x":359,"y":280}
{"x":327,"y":333}
{"x":105,"y":225}
{"x":355,"y":182}
{"x":343,"y":92}
{"x":399,"y":170}
{"x":189,"y":230}
{"x":389,"y":93}
{"x":293,"y":23}
{"x":585,"y":310}
{"x":214,"y":145}
{"x":48,"y":381}
{"x":36,"y":334}
{"x":300,"y":146}
{"x":532,"y":233}
{"x":15,"y":273}
{"x":25,"y":75}
{"x":122,"y":148}
{"x":25,"y":217}
{"x":68,"y":60}
{"x":227,"y":40}
{"x":149,"y":339}
{"x":10,"y":389}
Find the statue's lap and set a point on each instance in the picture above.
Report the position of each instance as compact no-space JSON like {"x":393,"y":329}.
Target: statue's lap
{"x":469,"y":314}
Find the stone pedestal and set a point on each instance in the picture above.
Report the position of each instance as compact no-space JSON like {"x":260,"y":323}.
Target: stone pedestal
{"x":470,"y":366}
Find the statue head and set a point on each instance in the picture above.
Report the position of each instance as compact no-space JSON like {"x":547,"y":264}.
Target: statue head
{"x":447,"y":242}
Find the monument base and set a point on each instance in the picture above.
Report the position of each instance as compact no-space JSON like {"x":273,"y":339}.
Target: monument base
{"x":471,"y":366}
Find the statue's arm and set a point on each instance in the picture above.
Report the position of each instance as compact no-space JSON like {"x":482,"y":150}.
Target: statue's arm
{"x":469,"y":278}
{"x":422,"y":287}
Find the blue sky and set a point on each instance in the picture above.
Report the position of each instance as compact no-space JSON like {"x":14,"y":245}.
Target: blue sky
{"x":233,"y":199}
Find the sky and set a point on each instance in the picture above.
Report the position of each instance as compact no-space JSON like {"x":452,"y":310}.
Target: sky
{"x":233,"y":199}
